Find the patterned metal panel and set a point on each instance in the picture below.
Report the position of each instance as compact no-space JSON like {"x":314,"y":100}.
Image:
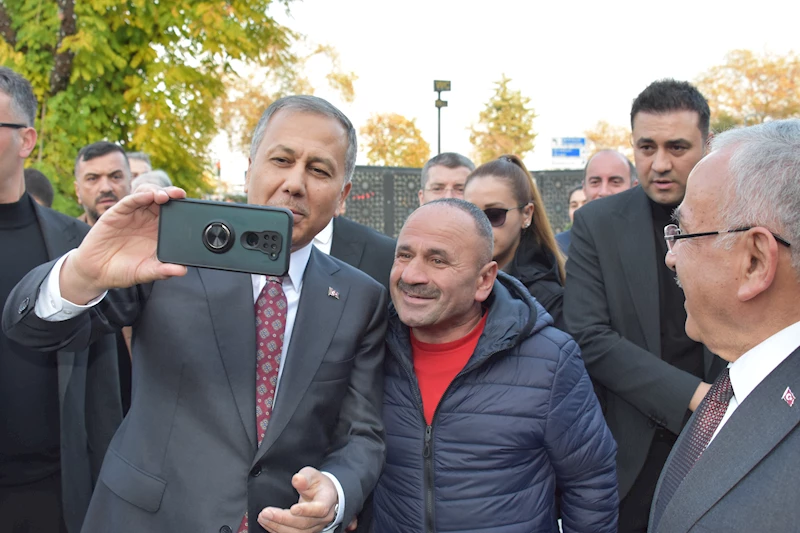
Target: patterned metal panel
{"x":383,"y":197}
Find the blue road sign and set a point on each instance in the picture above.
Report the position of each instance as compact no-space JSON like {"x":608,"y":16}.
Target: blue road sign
{"x":573,"y":141}
{"x":566,"y":152}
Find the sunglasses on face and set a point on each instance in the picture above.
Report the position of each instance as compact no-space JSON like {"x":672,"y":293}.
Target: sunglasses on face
{"x":497,"y":215}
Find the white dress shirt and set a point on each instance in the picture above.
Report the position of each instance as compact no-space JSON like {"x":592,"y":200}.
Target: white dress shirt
{"x":50,"y":306}
{"x":756,"y":364}
{"x":324,"y":239}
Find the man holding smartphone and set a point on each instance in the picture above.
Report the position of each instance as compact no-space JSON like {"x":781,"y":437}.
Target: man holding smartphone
{"x":248,"y":391}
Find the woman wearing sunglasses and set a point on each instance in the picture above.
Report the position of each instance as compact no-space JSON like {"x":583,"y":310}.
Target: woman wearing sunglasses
{"x":524,"y":244}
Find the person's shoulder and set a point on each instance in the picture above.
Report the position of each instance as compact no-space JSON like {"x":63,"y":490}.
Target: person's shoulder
{"x":346,"y":225}
{"x":66,"y":222}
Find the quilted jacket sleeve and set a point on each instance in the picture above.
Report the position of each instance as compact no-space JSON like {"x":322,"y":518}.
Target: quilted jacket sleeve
{"x":581,"y":449}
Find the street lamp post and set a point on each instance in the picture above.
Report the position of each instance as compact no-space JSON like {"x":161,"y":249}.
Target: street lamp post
{"x":438,"y":87}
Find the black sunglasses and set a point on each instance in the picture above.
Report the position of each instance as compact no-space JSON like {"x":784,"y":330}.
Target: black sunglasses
{"x":497,"y":215}
{"x":12,"y":126}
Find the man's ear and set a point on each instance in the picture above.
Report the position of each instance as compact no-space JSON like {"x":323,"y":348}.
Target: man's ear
{"x":247,"y":175}
{"x":28,"y":136}
{"x":420,"y":196}
{"x":758,"y":264}
{"x":343,"y":198}
{"x":486,"y":278}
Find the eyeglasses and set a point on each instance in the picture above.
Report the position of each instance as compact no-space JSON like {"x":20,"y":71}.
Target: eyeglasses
{"x":497,"y":215}
{"x":12,"y":126}
{"x":672,"y":233}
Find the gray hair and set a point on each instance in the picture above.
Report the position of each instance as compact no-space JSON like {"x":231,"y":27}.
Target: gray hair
{"x":23,"y":101}
{"x":765,"y":173}
{"x":158,"y":178}
{"x":141,"y":156}
{"x":309,"y":104}
{"x":482,"y":225}
{"x":445,"y":159}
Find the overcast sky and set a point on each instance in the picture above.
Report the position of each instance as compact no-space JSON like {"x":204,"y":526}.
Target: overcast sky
{"x":578,"y":61}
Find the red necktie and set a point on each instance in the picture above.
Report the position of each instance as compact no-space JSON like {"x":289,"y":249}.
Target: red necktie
{"x":270,"y":327}
{"x":709,"y":415}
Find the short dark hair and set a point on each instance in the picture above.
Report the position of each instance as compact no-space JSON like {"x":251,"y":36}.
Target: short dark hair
{"x":482,"y":224}
{"x":445,"y":159}
{"x":573,"y":191}
{"x":23,"y":101}
{"x":39,"y":186}
{"x":99,"y":149}
{"x":664,"y":96}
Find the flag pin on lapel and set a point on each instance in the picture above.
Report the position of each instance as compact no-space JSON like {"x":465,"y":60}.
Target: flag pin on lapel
{"x":789,"y":397}
{"x":333,"y":293}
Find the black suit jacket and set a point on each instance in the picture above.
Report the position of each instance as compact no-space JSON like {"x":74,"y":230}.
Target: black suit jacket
{"x":185,"y":457}
{"x":88,"y":385}
{"x":364,"y":248}
{"x":611,"y":306}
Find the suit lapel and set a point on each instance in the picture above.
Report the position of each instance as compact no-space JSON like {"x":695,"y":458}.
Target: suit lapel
{"x":634,"y":229}
{"x":59,"y":238}
{"x":315,"y":324}
{"x":757,"y":426}
{"x":230,"y":302}
{"x":344,"y":247}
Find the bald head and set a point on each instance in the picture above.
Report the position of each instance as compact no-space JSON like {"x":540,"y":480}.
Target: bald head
{"x":607,"y":172}
{"x":481,"y":228}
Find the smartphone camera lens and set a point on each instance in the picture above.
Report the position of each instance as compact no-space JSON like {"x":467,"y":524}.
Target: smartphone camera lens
{"x":251,"y":239}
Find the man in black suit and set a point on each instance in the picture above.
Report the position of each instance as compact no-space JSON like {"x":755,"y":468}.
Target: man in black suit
{"x":58,"y":410}
{"x":358,"y":245}
{"x":735,"y":252}
{"x":249,"y":390}
{"x":621,"y":302}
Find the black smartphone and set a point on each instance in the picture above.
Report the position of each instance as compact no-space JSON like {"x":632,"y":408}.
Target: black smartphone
{"x":225,"y":236}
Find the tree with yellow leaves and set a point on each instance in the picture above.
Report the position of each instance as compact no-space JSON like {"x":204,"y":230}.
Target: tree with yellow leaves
{"x":393,"y":140}
{"x":749,"y":88}
{"x":606,"y":136}
{"x":505,"y":126}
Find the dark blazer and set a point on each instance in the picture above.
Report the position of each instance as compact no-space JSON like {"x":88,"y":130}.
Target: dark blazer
{"x":185,"y":457}
{"x":564,"y":239}
{"x":746,"y":480}
{"x":88,"y":385}
{"x":364,"y":248}
{"x":611,"y":308}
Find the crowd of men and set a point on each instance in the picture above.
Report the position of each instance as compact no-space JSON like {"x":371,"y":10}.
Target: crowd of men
{"x":409,"y":385}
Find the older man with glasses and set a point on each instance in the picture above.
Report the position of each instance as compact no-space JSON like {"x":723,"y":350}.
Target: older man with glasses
{"x":734,"y":467}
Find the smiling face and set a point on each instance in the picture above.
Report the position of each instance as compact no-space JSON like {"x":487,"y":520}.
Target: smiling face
{"x":438,"y":280}
{"x":607,"y":173}
{"x":300,"y":165}
{"x":101,"y":182}
{"x":666,"y":147}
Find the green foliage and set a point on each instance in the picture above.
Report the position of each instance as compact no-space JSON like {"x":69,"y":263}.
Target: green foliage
{"x":392,"y":140}
{"x":505,"y":126}
{"x":142,"y":73}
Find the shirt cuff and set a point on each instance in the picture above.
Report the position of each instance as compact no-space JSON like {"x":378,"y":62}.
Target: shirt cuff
{"x":50,"y":306}
{"x":340,"y":493}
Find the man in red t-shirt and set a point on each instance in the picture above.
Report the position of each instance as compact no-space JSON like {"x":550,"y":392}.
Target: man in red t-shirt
{"x":487,"y":406}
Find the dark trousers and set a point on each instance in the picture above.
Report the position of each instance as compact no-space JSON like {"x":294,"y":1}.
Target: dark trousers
{"x":634,"y":509}
{"x":32,"y":508}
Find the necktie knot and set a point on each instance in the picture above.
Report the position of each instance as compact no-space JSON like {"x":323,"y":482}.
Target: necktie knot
{"x":722,"y":390}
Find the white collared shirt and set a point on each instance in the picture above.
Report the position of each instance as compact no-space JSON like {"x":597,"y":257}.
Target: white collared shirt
{"x":324,"y":239}
{"x":50,"y":306}
{"x":749,"y":370}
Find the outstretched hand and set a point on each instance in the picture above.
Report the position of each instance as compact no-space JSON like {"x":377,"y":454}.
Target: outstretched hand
{"x":314,"y":510}
{"x":120,"y":250}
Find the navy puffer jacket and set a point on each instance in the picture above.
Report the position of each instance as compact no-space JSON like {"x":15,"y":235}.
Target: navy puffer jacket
{"x":520,"y":417}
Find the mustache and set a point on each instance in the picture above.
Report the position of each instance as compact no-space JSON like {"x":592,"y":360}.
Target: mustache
{"x":418,"y":290}
{"x":106,"y":196}
{"x":294,"y":207}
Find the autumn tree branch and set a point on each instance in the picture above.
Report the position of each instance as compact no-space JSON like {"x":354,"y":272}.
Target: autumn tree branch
{"x":62,"y":66}
{"x":6,"y":31}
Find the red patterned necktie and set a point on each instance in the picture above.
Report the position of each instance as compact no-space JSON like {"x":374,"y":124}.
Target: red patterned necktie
{"x":709,"y":415}
{"x":270,"y":327}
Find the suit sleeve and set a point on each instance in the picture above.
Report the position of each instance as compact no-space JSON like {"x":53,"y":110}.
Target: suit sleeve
{"x":581,"y":449}
{"x":358,"y":450}
{"x":659,"y":390}
{"x":119,"y":308}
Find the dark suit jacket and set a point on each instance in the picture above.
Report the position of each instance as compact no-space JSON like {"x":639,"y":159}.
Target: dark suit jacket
{"x":564,"y":239}
{"x":611,"y":308}
{"x":746,"y":480}
{"x":185,"y":457}
{"x":88,"y":385}
{"x":364,"y":248}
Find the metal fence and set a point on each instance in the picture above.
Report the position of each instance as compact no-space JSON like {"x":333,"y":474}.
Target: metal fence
{"x":383,"y":197}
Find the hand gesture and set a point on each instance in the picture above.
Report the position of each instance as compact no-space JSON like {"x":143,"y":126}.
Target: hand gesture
{"x":120,"y":250}
{"x":314,"y":510}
